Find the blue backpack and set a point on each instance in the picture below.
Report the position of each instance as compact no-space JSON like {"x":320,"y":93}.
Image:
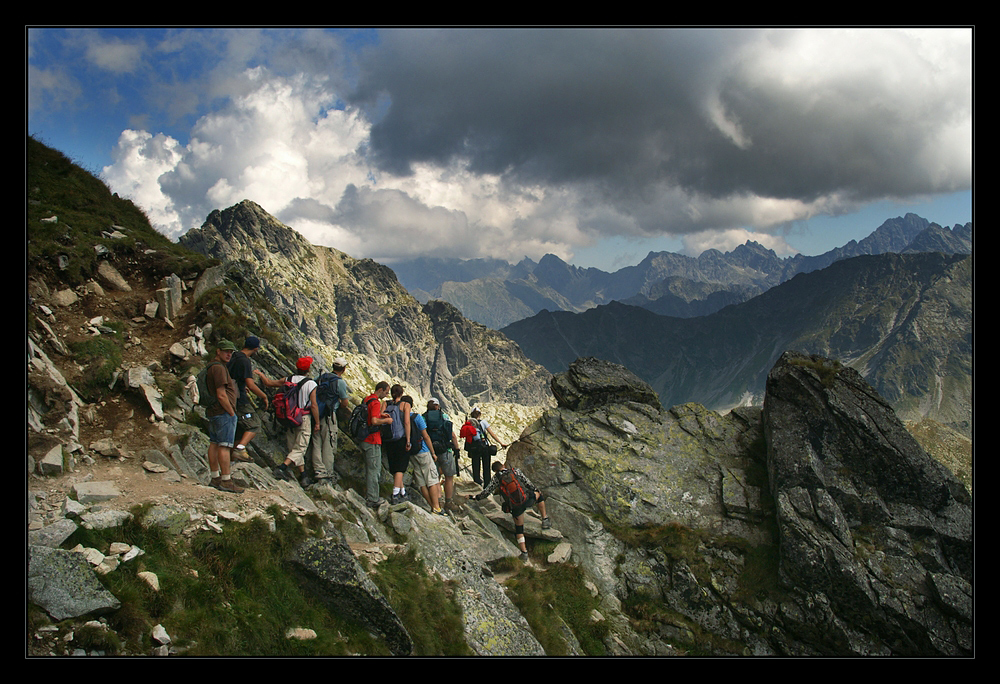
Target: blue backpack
{"x":326,"y":393}
{"x":394,"y":432}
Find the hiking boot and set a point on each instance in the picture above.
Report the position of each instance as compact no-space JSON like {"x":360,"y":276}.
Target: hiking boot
{"x":546,"y":524}
{"x":241,"y":455}
{"x":281,"y":473}
{"x":229,"y":486}
{"x":214,"y":482}
{"x":439,"y":511}
{"x":452,"y":507}
{"x":524,"y":556}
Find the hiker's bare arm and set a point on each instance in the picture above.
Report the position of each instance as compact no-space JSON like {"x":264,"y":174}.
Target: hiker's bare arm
{"x":252,"y":386}
{"x":223,"y":397}
{"x":498,"y":440}
{"x":268,"y":382}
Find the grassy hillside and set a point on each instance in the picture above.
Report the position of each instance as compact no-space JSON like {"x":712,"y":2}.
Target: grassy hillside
{"x":87,"y":213}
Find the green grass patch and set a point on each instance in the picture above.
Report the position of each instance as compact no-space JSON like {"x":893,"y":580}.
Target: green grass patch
{"x":827,"y":369}
{"x":100,"y":357}
{"x":426,"y":605}
{"x":558,"y":591}
{"x":228,"y":594}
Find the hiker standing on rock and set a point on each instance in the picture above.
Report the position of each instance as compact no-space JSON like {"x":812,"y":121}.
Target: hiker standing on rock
{"x":475,"y":431}
{"x":221,"y":418}
{"x":372,"y":444}
{"x":248,"y":420}
{"x":397,"y":447}
{"x":331,"y":393}
{"x":297,"y":439}
{"x":425,"y":463}
{"x":518,"y":494}
{"x":442,"y":434}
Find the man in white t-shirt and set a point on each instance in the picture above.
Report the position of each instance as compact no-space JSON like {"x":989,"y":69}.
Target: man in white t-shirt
{"x":297,"y":439}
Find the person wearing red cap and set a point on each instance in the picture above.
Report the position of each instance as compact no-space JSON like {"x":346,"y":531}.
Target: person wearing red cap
{"x":297,"y":439}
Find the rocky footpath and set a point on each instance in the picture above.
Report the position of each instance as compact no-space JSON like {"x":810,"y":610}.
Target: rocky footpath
{"x":813,"y":526}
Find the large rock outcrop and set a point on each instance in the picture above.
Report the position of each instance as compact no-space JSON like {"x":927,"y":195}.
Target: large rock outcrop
{"x":815,"y":526}
{"x":865,"y":517}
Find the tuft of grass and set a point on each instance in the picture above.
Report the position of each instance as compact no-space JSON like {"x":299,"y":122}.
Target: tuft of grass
{"x":558,"y":591}
{"x":100,"y":356}
{"x":426,"y":605}
{"x":826,"y":369}
{"x":227,"y":594}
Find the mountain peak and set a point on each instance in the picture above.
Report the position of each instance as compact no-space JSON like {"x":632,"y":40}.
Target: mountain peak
{"x":242,"y":231}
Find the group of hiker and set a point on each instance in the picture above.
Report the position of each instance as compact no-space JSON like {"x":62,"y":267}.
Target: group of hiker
{"x":385,"y":423}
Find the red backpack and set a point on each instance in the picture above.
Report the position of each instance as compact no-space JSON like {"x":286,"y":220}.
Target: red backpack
{"x":286,"y":403}
{"x":512,"y":489}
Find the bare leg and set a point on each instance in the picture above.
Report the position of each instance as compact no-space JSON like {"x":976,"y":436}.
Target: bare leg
{"x":213,"y":457}
{"x":519,"y":520}
{"x":223,"y":453}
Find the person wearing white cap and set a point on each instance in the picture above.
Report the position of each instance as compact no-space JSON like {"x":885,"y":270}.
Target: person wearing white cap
{"x":475,"y":432}
{"x":331,"y":394}
{"x":442,"y":434}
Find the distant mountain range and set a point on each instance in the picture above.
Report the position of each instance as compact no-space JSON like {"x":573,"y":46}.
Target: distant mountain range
{"x":496,"y":293}
{"x":904,"y":321}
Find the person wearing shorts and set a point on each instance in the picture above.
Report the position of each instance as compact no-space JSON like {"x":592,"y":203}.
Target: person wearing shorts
{"x":221,"y":418}
{"x":248,"y":422}
{"x":425,"y":472}
{"x":397,"y":451}
{"x":447,"y":450}
{"x":533,"y":496}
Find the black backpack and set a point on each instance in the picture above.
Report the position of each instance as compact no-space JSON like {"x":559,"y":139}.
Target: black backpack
{"x":438,"y":430}
{"x":416,"y":437}
{"x":326,"y":393}
{"x":358,"y":427}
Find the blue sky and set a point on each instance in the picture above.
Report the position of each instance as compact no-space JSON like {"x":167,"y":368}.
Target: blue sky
{"x":598,"y":145}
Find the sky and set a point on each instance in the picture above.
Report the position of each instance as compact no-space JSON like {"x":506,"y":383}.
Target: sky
{"x":597,"y":145}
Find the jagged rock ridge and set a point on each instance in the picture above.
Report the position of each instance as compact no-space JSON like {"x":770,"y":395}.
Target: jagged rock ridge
{"x":495,"y":293}
{"x":357,"y":305}
{"x":903,"y":321}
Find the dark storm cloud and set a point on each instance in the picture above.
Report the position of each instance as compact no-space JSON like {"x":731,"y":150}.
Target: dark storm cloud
{"x":717,"y":113}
